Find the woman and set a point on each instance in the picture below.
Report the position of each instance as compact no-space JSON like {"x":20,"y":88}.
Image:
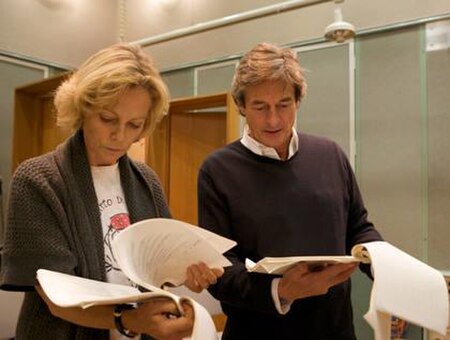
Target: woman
{"x":67,"y":205}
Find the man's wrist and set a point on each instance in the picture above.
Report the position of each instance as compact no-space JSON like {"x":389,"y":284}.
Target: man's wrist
{"x":281,"y":296}
{"x":283,"y":301}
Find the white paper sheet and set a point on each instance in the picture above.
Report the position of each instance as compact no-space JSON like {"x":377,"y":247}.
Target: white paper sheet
{"x":73,"y":291}
{"x":407,"y":288}
{"x":158,"y":251}
{"x":278,"y":265}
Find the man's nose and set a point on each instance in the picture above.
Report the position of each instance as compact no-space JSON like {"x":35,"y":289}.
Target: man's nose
{"x":272,"y":117}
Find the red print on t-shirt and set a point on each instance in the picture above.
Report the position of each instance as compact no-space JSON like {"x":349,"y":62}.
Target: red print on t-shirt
{"x":120,"y":221}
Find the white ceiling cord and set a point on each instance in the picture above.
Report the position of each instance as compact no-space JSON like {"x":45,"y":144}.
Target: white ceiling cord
{"x":122,"y":19}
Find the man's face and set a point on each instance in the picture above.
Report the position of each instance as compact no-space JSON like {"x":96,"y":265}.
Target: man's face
{"x":270,"y":110}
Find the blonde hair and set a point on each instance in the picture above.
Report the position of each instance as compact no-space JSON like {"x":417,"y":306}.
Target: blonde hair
{"x":103,"y":78}
{"x":268,"y":62}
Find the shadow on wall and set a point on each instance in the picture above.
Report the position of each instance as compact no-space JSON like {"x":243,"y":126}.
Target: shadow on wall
{"x":10,"y":303}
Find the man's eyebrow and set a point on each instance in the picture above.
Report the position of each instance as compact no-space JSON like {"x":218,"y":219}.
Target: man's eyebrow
{"x":257,"y":101}
{"x":287,"y":99}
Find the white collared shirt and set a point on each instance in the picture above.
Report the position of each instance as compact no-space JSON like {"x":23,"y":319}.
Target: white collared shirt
{"x":262,"y":150}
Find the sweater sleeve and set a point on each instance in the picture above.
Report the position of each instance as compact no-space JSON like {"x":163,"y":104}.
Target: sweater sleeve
{"x":237,"y":287}
{"x":33,"y":236}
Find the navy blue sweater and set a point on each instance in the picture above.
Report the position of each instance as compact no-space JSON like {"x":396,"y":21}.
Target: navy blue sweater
{"x":307,"y":205}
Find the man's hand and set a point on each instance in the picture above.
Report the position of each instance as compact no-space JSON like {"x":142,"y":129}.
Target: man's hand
{"x":199,"y":276}
{"x":300,"y":282}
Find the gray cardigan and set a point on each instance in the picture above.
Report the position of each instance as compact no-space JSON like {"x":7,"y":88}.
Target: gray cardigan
{"x":54,"y":223}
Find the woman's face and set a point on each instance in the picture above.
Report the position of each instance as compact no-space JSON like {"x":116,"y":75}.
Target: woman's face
{"x":108,"y":134}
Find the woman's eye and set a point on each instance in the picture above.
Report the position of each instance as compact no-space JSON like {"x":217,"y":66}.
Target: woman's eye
{"x":135,"y":126}
{"x":107,"y":119}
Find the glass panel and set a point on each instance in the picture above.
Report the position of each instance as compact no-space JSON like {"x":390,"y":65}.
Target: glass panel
{"x":389,"y":146}
{"x":180,"y":83}
{"x":215,"y":79}
{"x":325,"y":111}
{"x":390,"y":136}
{"x":438,"y":87}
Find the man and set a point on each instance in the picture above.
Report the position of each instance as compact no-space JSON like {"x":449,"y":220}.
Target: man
{"x":278,"y":192}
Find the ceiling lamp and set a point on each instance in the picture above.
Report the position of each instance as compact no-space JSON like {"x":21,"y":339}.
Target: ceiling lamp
{"x":339,"y":30}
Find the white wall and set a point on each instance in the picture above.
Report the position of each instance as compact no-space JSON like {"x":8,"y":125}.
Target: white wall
{"x":10,"y":303}
{"x":147,"y":18}
{"x":68,"y":31}
{"x":60,"y":31}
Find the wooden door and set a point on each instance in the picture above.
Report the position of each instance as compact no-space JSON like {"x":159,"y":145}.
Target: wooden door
{"x":194,"y":128}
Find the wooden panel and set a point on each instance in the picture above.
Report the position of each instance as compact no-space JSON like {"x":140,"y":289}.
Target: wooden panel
{"x":51,"y":134}
{"x":26,"y":143}
{"x":195,"y":127}
{"x":157,"y":151}
{"x":34,"y":122}
{"x":219,"y":321}
{"x":193,"y":136}
{"x":232,"y":120}
{"x":137,"y":150}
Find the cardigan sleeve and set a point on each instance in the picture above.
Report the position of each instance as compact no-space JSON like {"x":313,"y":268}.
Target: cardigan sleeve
{"x":237,"y":287}
{"x":33,"y":236}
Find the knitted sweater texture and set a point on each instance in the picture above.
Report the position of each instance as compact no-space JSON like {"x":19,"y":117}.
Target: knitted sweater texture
{"x":307,"y":205}
{"x":54,"y":223}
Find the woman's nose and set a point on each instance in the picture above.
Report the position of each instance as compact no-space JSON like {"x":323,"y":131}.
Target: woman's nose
{"x":118,"y":133}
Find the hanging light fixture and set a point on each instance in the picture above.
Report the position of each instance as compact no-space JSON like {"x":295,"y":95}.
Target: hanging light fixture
{"x":339,"y":30}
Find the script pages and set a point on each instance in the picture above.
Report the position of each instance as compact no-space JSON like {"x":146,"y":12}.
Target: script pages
{"x":169,"y":245}
{"x":157,"y":251}
{"x":278,"y":265}
{"x":403,"y":286}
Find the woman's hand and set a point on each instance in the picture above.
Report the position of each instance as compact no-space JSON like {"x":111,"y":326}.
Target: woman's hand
{"x":160,"y":319}
{"x":199,"y":276}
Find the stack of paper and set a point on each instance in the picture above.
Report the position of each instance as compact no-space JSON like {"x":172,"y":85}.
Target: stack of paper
{"x":151,"y":253}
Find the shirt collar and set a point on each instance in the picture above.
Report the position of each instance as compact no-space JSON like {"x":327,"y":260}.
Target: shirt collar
{"x":262,"y":150}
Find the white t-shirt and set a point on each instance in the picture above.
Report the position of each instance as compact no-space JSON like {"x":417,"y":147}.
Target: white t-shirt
{"x":114,"y":217}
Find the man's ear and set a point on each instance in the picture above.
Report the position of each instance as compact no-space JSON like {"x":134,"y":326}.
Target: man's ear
{"x":241,"y":111}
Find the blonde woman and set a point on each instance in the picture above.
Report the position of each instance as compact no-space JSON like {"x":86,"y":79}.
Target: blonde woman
{"x":66,"y":206}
